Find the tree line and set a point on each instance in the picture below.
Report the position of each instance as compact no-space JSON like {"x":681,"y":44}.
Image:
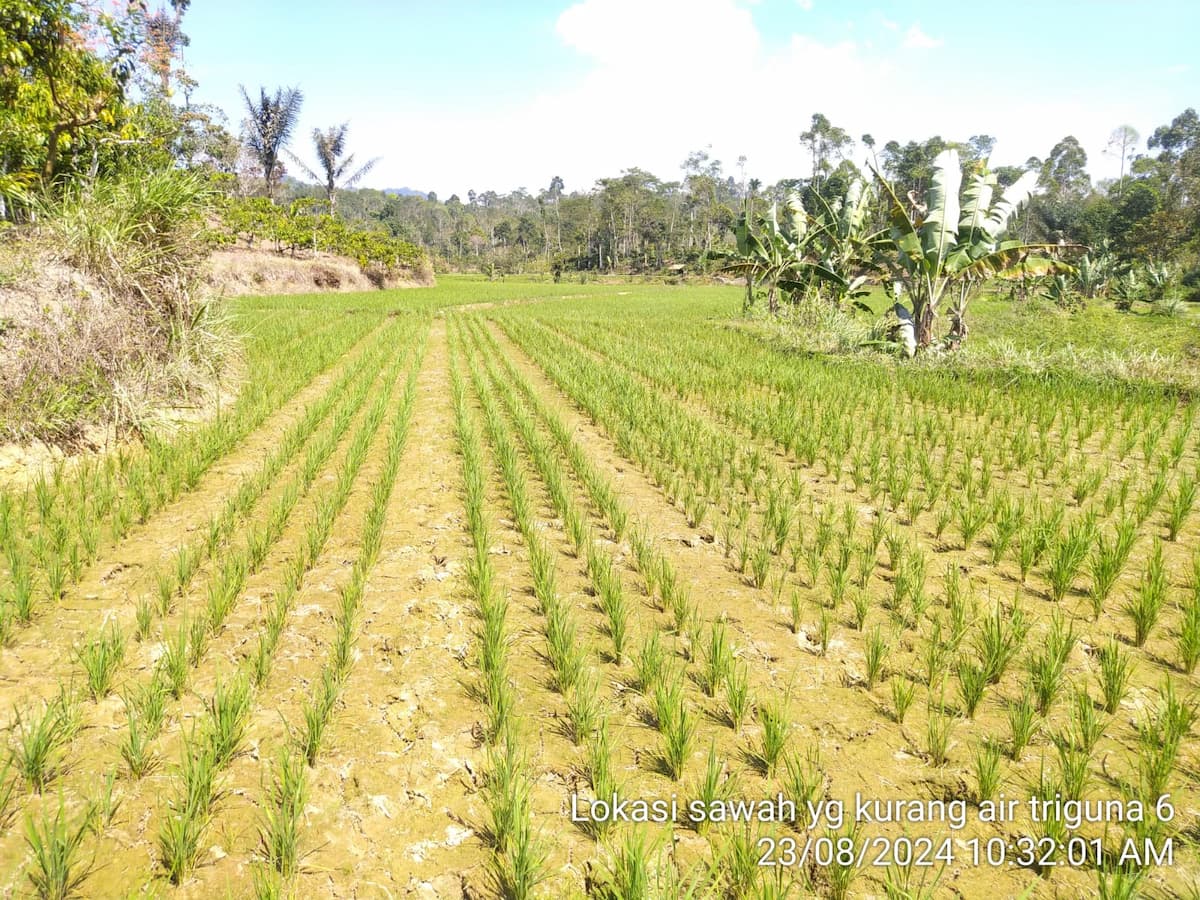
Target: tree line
{"x":86,"y":94}
{"x":637,"y":221}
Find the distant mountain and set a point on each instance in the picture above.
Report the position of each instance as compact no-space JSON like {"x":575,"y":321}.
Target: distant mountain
{"x":406,"y":192}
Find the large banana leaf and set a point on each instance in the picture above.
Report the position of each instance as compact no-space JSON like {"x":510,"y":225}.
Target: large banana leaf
{"x":977,"y":202}
{"x":854,"y":210}
{"x":750,"y":244}
{"x":1016,"y":194}
{"x":1015,"y":257}
{"x":741,"y":233}
{"x":797,"y":216}
{"x":903,"y":232}
{"x":812,"y":271}
{"x":742,"y":268}
{"x":939,"y":231}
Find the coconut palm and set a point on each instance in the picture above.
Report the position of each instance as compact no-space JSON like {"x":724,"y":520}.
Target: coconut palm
{"x":269,"y":124}
{"x":330,"y":145}
{"x":947,"y":246}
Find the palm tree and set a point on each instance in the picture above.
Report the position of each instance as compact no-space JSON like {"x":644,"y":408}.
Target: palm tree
{"x":330,"y":144}
{"x":269,"y":124}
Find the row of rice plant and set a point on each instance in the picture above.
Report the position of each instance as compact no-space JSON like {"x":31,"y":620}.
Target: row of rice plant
{"x":210,"y":745}
{"x":189,"y":812}
{"x":916,"y":494}
{"x":1065,"y":419}
{"x":174,"y":579}
{"x":1069,"y":548}
{"x":517,"y":857}
{"x":657,"y":676}
{"x":56,"y":528}
{"x":982,"y":505}
{"x":100,"y":659}
{"x":587,"y":710}
{"x":283,"y":807}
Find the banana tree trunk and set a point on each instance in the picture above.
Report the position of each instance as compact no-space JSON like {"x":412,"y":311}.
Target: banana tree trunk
{"x":958,"y":327}
{"x":924,"y":318}
{"x":958,"y":319}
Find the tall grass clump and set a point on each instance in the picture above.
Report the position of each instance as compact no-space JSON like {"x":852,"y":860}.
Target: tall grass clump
{"x":141,"y":235}
{"x":139,"y":238}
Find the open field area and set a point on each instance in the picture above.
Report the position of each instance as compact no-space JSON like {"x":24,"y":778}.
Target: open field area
{"x":461,"y":451}
{"x":459,"y":560}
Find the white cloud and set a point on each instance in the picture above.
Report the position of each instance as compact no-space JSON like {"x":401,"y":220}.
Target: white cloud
{"x":694,"y":73}
{"x":805,"y":5}
{"x":657,"y":33}
{"x":916,"y":39}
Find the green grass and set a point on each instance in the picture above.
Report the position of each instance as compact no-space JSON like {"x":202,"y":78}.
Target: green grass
{"x":1037,"y":325}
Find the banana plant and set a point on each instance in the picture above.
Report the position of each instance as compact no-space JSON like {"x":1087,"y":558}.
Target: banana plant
{"x":1094,"y":273}
{"x":783,"y":257}
{"x":1159,"y":276}
{"x":763,"y":256}
{"x":1062,"y":292}
{"x":944,"y":249}
{"x":847,"y":245}
{"x":1127,"y":289}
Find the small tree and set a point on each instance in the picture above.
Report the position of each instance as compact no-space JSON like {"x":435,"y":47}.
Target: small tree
{"x":330,"y":146}
{"x":269,"y":124}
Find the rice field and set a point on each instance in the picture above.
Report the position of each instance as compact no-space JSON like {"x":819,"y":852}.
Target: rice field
{"x":461,"y":569}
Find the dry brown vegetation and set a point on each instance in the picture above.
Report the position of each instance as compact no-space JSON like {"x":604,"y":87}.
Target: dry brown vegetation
{"x":241,"y":271}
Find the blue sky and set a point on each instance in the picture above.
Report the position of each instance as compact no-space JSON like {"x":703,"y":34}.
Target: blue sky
{"x":456,"y":95}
